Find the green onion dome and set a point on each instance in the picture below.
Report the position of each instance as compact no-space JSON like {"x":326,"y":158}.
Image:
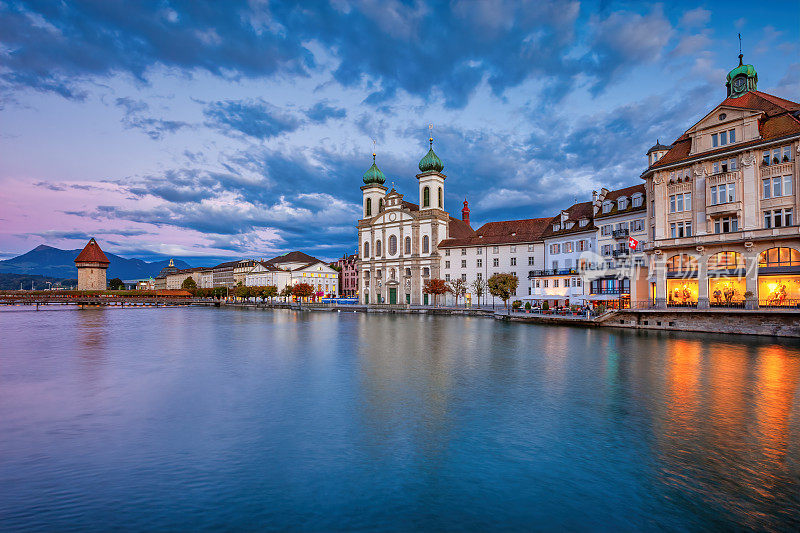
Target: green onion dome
{"x":373,"y":175}
{"x":431,"y":161}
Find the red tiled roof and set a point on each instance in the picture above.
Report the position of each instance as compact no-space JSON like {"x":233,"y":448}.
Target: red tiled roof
{"x":293,"y":257}
{"x":574,"y":213}
{"x":615,"y":195}
{"x":779,"y":121}
{"x":92,"y":253}
{"x":410,"y":206}
{"x":507,"y":231}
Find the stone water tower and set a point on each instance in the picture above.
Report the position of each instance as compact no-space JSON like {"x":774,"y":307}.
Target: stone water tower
{"x":92,"y":264}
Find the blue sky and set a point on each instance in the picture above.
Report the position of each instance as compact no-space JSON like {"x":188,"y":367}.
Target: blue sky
{"x":229,"y":129}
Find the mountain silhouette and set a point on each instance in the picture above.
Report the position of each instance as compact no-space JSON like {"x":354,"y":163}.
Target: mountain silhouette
{"x":54,"y":262}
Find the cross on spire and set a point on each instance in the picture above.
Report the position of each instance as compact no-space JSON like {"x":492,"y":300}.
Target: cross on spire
{"x":373,"y":150}
{"x":430,"y":129}
{"x":740,"y":49}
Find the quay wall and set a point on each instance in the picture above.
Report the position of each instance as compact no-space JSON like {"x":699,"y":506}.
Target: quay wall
{"x":773,"y":322}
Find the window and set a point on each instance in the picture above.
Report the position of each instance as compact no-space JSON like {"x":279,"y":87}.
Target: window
{"x":680,"y":229}
{"x":682,"y":263}
{"x":441,"y":198}
{"x":732,"y":136}
{"x":408,"y":272}
{"x":779,"y":155}
{"x":568,"y":247}
{"x":464,"y":277}
{"x":368,"y":207}
{"x":568,"y":263}
{"x":777,"y":186}
{"x":775,"y":257}
{"x":426,"y":272}
{"x":583,"y":222}
{"x":714,"y":140}
{"x":408,"y":246}
{"x":366,"y":249}
{"x":622,"y":203}
{"x":463,"y":251}
{"x":777,"y":218}
{"x":380,"y":205}
{"x":583,"y":245}
{"x":513,"y":261}
{"x":447,"y":277}
{"x":447,"y":252}
{"x":545,"y":283}
{"x":447,"y":264}
{"x":530,"y":261}
{"x":638,"y":200}
{"x":637,"y":225}
{"x":725,"y":261}
{"x":479,"y":251}
{"x":726,"y":225}
{"x":607,"y":206}
{"x":479,"y":263}
{"x":606,"y":229}
{"x":513,"y":249}
{"x":463,"y":263}
{"x":556,"y":227}
{"x":479,"y":276}
{"x":530,"y":247}
{"x":606,"y":249}
{"x":721,"y":194}
{"x":495,"y":262}
{"x":679,"y":203}
{"x":537,"y":283}
{"x":426,"y":244}
{"x":495,"y":249}
{"x":392,"y":245}
{"x":426,"y":197}
{"x":378,"y":248}
{"x":723,"y":138}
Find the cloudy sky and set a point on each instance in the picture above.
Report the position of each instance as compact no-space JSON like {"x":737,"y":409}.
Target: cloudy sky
{"x":242,"y":128}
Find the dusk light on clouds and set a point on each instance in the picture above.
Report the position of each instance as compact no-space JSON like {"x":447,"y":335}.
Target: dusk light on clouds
{"x":221,"y":130}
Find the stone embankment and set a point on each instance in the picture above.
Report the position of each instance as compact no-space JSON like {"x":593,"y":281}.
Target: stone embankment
{"x":771,"y":322}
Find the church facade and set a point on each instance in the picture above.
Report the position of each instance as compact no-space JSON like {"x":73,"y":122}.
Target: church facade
{"x":399,"y":240}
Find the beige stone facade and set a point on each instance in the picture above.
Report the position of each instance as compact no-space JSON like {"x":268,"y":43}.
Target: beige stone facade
{"x":92,"y":277}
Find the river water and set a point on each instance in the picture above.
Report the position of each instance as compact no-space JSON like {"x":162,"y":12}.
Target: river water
{"x":200,"y":418}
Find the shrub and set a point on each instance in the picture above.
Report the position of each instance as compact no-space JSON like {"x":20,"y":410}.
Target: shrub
{"x":545,"y":306}
{"x":528,"y":306}
{"x":601,"y":309}
{"x":516,"y":304}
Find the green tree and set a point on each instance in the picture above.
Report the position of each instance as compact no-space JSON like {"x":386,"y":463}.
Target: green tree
{"x":241,"y":291}
{"x":286,"y":292}
{"x":458,"y":288}
{"x":116,"y":284}
{"x":270,"y":291}
{"x":189,"y":284}
{"x":503,"y":286}
{"x":219,"y":292}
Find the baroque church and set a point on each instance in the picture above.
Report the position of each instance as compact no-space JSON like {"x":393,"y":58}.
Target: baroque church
{"x":398,"y":239}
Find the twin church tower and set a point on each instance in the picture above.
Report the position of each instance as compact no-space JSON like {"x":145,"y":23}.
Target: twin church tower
{"x":398,"y":239}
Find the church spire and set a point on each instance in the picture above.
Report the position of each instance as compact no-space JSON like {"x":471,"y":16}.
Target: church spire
{"x":742,"y":79}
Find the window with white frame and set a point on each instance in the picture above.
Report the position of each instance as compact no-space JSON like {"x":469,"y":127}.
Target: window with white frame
{"x":680,"y":229}
{"x":622,"y":203}
{"x":530,"y":261}
{"x":637,"y":200}
{"x":479,"y":251}
{"x":495,"y":262}
{"x":463,"y":263}
{"x":513,"y":249}
{"x":678,"y":203}
{"x":606,"y":229}
{"x":722,"y":194}
{"x":607,"y":206}
{"x":722,"y":138}
{"x":463,"y":251}
{"x":479,"y":263}
{"x":447,"y":252}
{"x":447,"y":264}
{"x":777,"y":186}
{"x":726,"y":225}
{"x":637,"y":225}
{"x":555,"y":248}
{"x":567,"y":246}
{"x":530,"y":247}
{"x":606,"y":249}
{"x":777,"y":218}
{"x":782,"y":154}
{"x":513,"y":261}
{"x":495,"y":249}
{"x":724,"y":165}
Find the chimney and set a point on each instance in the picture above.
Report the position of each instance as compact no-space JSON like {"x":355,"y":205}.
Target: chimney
{"x":594,"y":197}
{"x":465,"y":212}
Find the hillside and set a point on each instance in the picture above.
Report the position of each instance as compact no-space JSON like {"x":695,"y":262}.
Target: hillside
{"x":53,"y":262}
{"x":28,"y":282}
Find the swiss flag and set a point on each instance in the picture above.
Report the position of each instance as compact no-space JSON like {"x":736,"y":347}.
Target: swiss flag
{"x":632,"y":243}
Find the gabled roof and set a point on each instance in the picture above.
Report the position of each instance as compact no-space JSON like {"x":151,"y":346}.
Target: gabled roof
{"x":92,"y":253}
{"x":227,"y":264}
{"x":613,"y":196}
{"x":293,"y":257}
{"x":780,"y":120}
{"x":575,"y":213}
{"x":503,"y":232}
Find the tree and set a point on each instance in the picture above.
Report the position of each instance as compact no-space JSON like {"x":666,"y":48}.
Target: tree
{"x":286,"y":292}
{"x":503,"y":286}
{"x":270,"y":291}
{"x":189,"y":284}
{"x":116,"y":284}
{"x":219,"y":292}
{"x":458,"y":288}
{"x":436,"y":287}
{"x":302,"y":290}
{"x":241,"y":291}
{"x":479,"y":286}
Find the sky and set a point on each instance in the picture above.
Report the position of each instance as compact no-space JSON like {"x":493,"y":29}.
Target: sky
{"x":217,"y":130}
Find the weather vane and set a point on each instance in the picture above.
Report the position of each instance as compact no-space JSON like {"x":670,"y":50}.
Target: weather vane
{"x":373,"y":150}
{"x":430,"y":128}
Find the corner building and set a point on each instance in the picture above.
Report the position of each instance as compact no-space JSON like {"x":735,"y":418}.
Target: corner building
{"x":399,"y":240}
{"x":723,"y":200}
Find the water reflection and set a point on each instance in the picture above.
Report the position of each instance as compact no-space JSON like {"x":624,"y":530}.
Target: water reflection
{"x":352,"y":421}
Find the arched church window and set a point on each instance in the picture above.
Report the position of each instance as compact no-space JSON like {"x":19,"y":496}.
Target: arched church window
{"x":426,"y":244}
{"x":378,"y":248}
{"x":408,"y":246}
{"x":368,"y":207}
{"x":392,"y":245}
{"x":426,"y":197}
{"x":366,"y":249}
{"x":441,"y":198}
{"x":380,"y":205}
{"x":408,"y":272}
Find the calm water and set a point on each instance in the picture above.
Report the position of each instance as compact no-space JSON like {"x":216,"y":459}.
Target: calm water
{"x":206,"y":418}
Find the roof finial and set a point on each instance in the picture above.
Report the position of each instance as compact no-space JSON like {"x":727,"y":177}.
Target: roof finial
{"x":430,"y":128}
{"x":373,"y":150}
{"x":740,"y":49}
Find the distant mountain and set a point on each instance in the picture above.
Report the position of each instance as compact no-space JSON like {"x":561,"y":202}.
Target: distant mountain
{"x":28,"y":282}
{"x":48,"y":261}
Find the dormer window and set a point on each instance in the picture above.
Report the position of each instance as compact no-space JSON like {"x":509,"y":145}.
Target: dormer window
{"x":722,"y":138}
{"x":569,"y":225}
{"x":637,"y":200}
{"x":622,"y":203}
{"x":556,"y":227}
{"x":607,"y":206}
{"x":583,"y":222}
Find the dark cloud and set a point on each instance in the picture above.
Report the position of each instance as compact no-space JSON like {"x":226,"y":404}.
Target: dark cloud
{"x":154,"y":128}
{"x":323,"y":111}
{"x":254,"y":118}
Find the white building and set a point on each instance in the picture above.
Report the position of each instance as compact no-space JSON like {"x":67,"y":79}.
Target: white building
{"x":509,"y":247}
{"x":570,"y":240}
{"x":399,"y":240}
{"x":293,"y":268}
{"x":264,"y":274}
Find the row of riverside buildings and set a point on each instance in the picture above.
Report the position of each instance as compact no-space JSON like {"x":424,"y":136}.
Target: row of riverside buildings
{"x":712,"y":222}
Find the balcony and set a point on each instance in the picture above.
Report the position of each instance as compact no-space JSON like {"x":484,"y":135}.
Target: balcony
{"x":723,"y":209}
{"x":776,"y":169}
{"x":621,"y":252}
{"x":620,"y":233}
{"x":553,"y":272}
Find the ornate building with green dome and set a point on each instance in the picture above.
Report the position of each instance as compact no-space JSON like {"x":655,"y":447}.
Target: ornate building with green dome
{"x":398,"y":239}
{"x":723,"y":204}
